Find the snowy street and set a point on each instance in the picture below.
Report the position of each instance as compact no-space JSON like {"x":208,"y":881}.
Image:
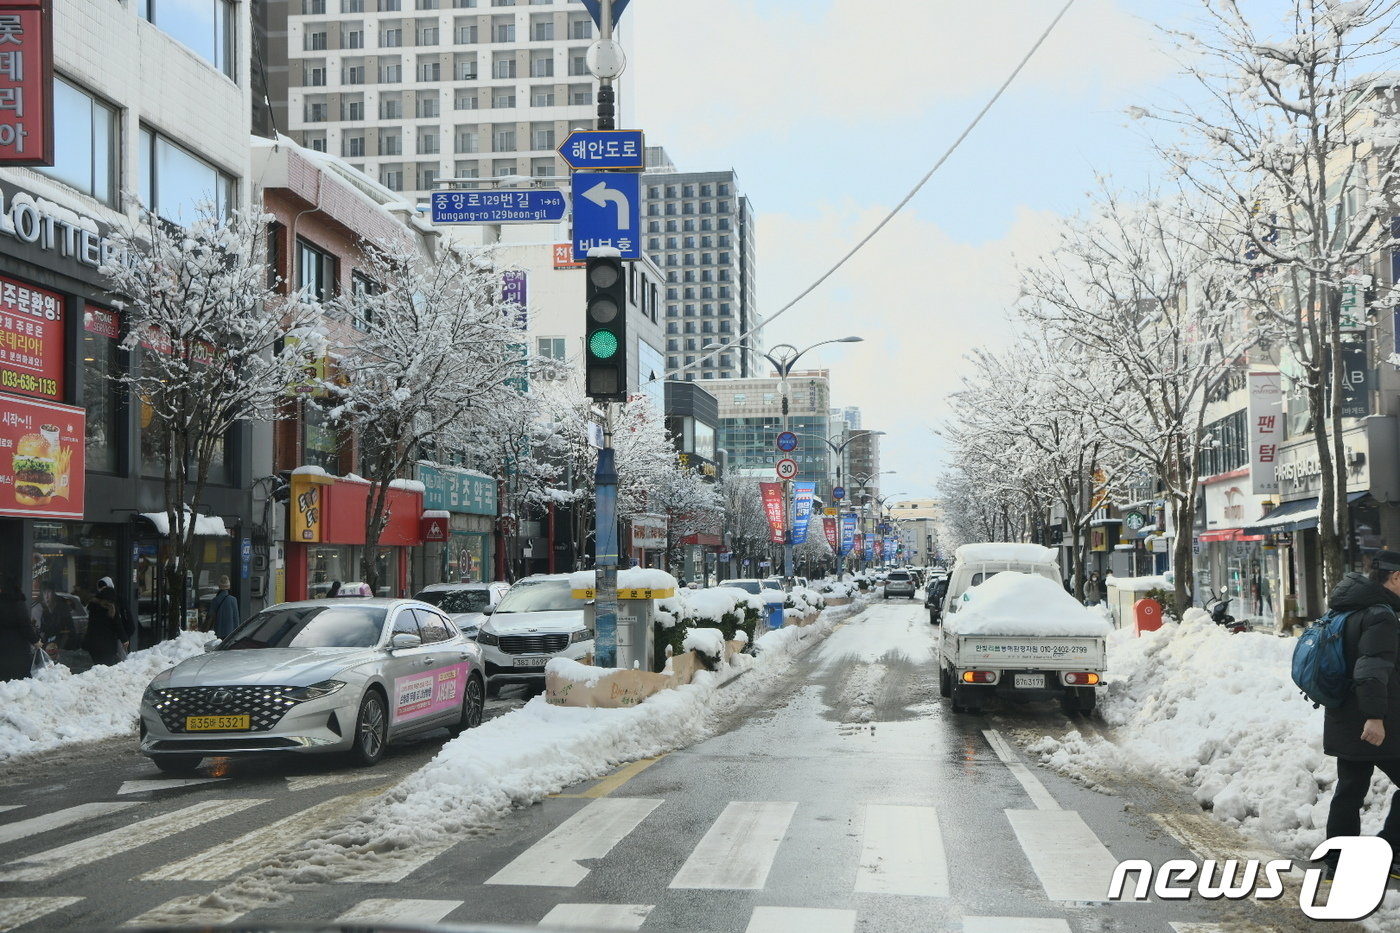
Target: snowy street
{"x":841,"y":795}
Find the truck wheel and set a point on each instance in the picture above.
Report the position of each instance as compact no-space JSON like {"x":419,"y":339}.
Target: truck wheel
{"x":1088,"y":697}
{"x":966,"y":700}
{"x":945,"y":683}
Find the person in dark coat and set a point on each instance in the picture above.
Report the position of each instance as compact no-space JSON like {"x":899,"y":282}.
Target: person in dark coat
{"x":222,"y":617}
{"x":109,"y":626}
{"x":18,"y":637}
{"x":1364,"y":732}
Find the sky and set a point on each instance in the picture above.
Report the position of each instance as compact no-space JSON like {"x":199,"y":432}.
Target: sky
{"x":831,"y":110}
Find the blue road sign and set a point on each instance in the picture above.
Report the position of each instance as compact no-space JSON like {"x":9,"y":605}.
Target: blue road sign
{"x":787,"y":441}
{"x":607,"y":213}
{"x":839,"y":492}
{"x":615,"y":149}
{"x":499,"y":206}
{"x":595,"y":10}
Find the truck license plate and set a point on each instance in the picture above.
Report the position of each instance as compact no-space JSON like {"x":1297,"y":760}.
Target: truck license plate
{"x":1029,"y":681}
{"x":529,"y":662}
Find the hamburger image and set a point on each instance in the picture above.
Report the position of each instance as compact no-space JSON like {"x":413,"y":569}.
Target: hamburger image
{"x":34,"y":466}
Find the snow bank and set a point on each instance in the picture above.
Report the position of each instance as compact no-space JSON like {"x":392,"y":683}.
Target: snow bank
{"x":713,"y":604}
{"x":1013,"y":603}
{"x":633,"y":578}
{"x":61,"y":708}
{"x":1005,"y":552}
{"x":584,"y":674}
{"x":707,"y":641}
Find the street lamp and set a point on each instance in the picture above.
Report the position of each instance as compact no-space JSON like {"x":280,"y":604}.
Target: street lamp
{"x":784,"y":357}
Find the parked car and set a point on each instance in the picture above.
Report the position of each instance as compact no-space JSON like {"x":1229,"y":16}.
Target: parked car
{"x":322,"y":675}
{"x":747,"y":584}
{"x":466,"y":604}
{"x":539,"y":619}
{"x":933,"y":598}
{"x":900,"y":583}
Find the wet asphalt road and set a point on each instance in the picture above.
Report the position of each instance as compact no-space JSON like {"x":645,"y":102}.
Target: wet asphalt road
{"x":806,"y":814}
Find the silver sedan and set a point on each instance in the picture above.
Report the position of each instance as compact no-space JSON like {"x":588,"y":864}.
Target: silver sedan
{"x":324,"y":675}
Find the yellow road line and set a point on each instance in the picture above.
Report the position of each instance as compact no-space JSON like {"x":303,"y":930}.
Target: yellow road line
{"x":615,"y":780}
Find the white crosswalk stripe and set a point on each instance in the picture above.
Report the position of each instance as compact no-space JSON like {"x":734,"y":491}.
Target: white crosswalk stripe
{"x":229,"y":858}
{"x":739,"y":848}
{"x":1067,"y":857}
{"x":104,"y":845}
{"x":398,"y":910}
{"x":17,"y":911}
{"x":627,"y":917}
{"x":801,"y":920}
{"x":589,"y":834}
{"x":11,"y":806}
{"x":401,"y":863}
{"x":191,"y":910}
{"x":146,"y":785}
{"x":1019,"y":924}
{"x":10,"y":832}
{"x":902,"y":852}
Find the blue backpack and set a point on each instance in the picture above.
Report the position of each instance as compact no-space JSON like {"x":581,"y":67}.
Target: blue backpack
{"x":1320,"y":667}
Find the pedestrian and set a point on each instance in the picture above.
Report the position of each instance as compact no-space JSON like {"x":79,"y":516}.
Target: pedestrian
{"x":109,"y":627}
{"x":1364,"y":732}
{"x":18,"y":637}
{"x":222,"y":617}
{"x":1093,"y":589}
{"x":53,"y":617}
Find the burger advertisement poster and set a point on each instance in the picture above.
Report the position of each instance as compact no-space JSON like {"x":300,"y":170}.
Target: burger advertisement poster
{"x":41,"y":458}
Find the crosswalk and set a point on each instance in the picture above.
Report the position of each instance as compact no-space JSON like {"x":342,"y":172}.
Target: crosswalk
{"x":896,"y":851}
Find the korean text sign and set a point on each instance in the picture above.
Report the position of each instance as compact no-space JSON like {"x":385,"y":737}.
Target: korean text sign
{"x":41,"y":458}
{"x":773,"y":508}
{"x":31,"y":340}
{"x":1265,"y":431}
{"x":848,"y":532}
{"x":26,"y":82}
{"x":802,"y":494}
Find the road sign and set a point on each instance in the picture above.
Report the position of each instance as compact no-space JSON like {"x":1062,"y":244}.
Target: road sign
{"x":595,"y":10}
{"x":615,"y":149}
{"x":499,"y":206}
{"x":607,"y":213}
{"x":787,"y":441}
{"x":786,"y":468}
{"x":839,"y":492}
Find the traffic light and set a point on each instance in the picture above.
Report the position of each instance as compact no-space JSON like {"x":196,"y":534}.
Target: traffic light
{"x":605,"y":367}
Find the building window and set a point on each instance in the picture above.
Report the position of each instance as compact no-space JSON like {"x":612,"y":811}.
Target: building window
{"x":390,"y":108}
{"x":315,"y":41}
{"x":503,"y":140}
{"x":316,"y":271}
{"x":392,"y":179}
{"x":430,"y":71}
{"x":173,"y":181}
{"x":352,"y":39}
{"x":390,"y":6}
{"x":353,"y":147}
{"x":466,"y":70}
{"x":428,"y":35}
{"x":353,"y":74}
{"x":87,"y":130}
{"x":578,"y":62}
{"x":390,"y":38}
{"x":428,"y":143}
{"x":465,"y":101}
{"x":581,"y":28}
{"x":542,"y":66}
{"x":319,"y":443}
{"x":314,"y":76}
{"x":542,"y":97}
{"x":352,"y":6}
{"x":551,"y":348}
{"x":503,"y":100}
{"x":427,"y":105}
{"x":503,"y":68}
{"x":427,"y":178}
{"x":316,"y":143}
{"x":101,"y":398}
{"x":311,"y":7}
{"x":501,"y":169}
{"x":390,"y":72}
{"x":206,"y":26}
{"x":468,"y":141}
{"x":581,"y":94}
{"x":542,"y":30}
{"x":352,"y":110}
{"x":466,"y":34}
{"x":390,"y":143}
{"x":505,"y":32}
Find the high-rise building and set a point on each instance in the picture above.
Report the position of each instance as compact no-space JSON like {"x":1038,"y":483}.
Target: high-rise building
{"x":751,"y":415}
{"x":415,"y":91}
{"x":849,"y":416}
{"x":700,"y":231}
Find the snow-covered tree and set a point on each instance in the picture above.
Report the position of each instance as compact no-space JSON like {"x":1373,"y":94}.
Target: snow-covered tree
{"x":432,"y":362}
{"x":745,"y":521}
{"x":691,"y":506}
{"x":211,"y":331}
{"x":1296,"y":151}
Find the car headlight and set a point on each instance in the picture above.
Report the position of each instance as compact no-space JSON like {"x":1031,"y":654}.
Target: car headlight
{"x":315,"y":691}
{"x":581,"y":635}
{"x":484,"y":637}
{"x":152,"y":696}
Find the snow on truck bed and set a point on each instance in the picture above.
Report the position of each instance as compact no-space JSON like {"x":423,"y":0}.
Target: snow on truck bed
{"x":1005,"y":552}
{"x":1012,"y":603}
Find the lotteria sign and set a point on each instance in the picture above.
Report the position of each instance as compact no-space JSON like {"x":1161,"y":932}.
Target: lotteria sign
{"x":52,"y":228}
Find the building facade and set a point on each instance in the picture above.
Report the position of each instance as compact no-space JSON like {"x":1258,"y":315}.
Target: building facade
{"x":751,"y":416}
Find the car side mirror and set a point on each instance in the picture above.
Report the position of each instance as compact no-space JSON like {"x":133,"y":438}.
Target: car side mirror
{"x":404,"y":640}
{"x":213,"y":645}
{"x":488,"y":610}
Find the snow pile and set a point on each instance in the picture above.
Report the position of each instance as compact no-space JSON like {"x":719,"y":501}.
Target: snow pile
{"x":583,"y":674}
{"x":767,"y":595}
{"x":60,"y":708}
{"x":1013,"y":603}
{"x":633,"y":578}
{"x":208,"y":525}
{"x":706,"y":641}
{"x":804,"y":600}
{"x":712,"y":605}
{"x":1004,"y":553}
{"x":838,"y":590}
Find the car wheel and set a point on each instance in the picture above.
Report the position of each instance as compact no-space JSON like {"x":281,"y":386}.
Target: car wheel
{"x":371,"y":729}
{"x":472,"y":705}
{"x":177,"y":764}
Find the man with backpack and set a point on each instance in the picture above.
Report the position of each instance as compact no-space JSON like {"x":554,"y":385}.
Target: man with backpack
{"x":1363,"y":731}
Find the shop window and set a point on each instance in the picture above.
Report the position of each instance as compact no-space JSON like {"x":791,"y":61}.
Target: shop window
{"x":74,"y":556}
{"x":102,"y":397}
{"x":153,"y":444}
{"x":174,"y":182}
{"x":319,"y":442}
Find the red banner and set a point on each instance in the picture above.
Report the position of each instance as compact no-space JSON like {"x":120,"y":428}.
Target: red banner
{"x":31,"y":338}
{"x":829,"y":524}
{"x":879,"y":548}
{"x":41,"y":458}
{"x":773,"y":507}
{"x":26,"y":82}
{"x":564,"y":257}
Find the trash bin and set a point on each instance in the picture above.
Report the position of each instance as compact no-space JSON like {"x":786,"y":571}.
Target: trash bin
{"x":775,"y":615}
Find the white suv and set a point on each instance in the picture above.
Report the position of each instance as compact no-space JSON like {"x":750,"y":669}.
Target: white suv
{"x":538,"y":619}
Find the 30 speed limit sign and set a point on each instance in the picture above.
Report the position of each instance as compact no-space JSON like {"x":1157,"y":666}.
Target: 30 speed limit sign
{"x":787,"y":468}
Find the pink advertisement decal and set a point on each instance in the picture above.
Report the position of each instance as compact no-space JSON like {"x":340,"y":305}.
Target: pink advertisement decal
{"x":429,"y":692}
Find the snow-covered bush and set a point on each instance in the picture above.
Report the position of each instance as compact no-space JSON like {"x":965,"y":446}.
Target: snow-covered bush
{"x":804,"y":600}
{"x":733,"y":612}
{"x":834,"y":590}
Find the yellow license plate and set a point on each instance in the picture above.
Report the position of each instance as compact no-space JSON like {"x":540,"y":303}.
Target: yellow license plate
{"x":218,"y":723}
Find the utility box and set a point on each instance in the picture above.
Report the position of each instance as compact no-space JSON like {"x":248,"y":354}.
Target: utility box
{"x":636,"y":618}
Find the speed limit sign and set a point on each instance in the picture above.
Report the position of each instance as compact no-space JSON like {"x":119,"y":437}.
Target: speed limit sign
{"x":787,"y":468}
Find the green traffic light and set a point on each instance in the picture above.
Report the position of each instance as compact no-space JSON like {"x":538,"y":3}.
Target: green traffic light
{"x":602,"y":344}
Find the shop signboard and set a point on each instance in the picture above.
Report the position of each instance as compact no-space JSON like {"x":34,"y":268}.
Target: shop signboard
{"x":649,"y":532}
{"x":1356,"y":381}
{"x":1228,"y":505}
{"x":457,"y":490}
{"x":307,"y":507}
{"x":773,"y":508}
{"x":435,"y":526}
{"x":31,"y":339}
{"x":515,"y":294}
{"x":1265,"y":413}
{"x":41,"y":458}
{"x":564,"y":257}
{"x":26,"y":82}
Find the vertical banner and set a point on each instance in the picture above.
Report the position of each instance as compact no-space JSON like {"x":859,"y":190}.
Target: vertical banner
{"x":869,"y":547}
{"x":514,"y":293}
{"x":879,"y":548}
{"x":26,"y":82}
{"x":829,"y":526}
{"x":1265,"y":431}
{"x":848,"y":533}
{"x":802,"y":494}
{"x":773,"y":508}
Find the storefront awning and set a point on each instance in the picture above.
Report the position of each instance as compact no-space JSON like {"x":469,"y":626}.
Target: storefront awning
{"x":1297,"y":515}
{"x":1230,"y":534}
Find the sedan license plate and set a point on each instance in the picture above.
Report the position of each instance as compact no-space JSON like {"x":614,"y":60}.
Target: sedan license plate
{"x":239,"y":723}
{"x":529,"y":662}
{"x":1028,"y":681}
